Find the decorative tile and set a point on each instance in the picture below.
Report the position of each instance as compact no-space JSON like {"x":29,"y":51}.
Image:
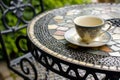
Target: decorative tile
{"x":105,"y":16}
{"x":113,"y":67}
{"x":64,"y":41}
{"x":95,"y":12}
{"x":98,"y":8}
{"x":114,"y":14}
{"x":62,"y":28}
{"x":58,"y":18}
{"x":115,"y":48}
{"x":117,"y":41}
{"x":116,"y":36}
{"x":106,"y":27}
{"x":98,"y":52}
{"x":105,"y":49}
{"x":71,"y":12}
{"x":68,"y":17}
{"x":117,"y":30}
{"x":60,"y":33}
{"x":53,"y":26}
{"x":110,"y":61}
{"x":112,"y":27}
{"x":70,"y":25}
{"x":107,"y":10}
{"x":111,"y":30}
{"x":69,"y":21}
{"x":86,"y":11}
{"x":118,"y":45}
{"x":111,"y":43}
{"x":58,"y":37}
{"x":114,"y":53}
{"x":62,"y":24}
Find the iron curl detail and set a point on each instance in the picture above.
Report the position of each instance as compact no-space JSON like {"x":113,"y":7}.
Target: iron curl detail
{"x":17,"y":8}
{"x":26,"y":69}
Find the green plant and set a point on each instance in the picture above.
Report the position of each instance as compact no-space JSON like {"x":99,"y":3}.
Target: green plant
{"x":51,"y":4}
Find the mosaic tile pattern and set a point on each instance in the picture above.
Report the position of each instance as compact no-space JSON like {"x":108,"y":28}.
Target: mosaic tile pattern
{"x":49,"y":32}
{"x":65,"y":22}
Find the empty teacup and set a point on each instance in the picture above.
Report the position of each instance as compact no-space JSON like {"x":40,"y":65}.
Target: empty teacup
{"x":89,"y":27}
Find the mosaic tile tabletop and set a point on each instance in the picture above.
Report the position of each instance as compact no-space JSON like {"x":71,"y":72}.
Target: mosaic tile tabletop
{"x":61,"y":23}
{"x":49,"y":30}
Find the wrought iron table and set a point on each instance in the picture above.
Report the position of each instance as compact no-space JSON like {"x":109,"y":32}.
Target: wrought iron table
{"x":46,"y":32}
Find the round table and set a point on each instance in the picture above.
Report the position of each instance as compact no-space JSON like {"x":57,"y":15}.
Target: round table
{"x":46,"y":32}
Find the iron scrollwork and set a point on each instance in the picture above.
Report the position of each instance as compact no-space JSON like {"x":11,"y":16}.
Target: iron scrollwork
{"x":60,"y":67}
{"x":30,"y":67}
{"x":19,"y":38}
{"x":26,"y":70}
{"x":17,"y":8}
{"x":70,"y":70}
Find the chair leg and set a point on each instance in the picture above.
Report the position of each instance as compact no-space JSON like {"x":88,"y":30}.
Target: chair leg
{"x":5,"y":55}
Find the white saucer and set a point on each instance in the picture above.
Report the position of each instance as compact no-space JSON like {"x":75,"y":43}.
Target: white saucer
{"x":72,"y":37}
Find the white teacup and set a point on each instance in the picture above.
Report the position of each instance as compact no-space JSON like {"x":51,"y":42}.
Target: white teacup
{"x":89,"y":27}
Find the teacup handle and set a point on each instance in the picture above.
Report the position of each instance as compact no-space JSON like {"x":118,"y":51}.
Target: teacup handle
{"x":110,"y":25}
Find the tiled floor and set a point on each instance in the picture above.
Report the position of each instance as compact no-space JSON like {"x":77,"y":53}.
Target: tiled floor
{"x":6,"y":74}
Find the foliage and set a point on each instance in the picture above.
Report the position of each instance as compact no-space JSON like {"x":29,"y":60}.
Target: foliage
{"x":48,"y":4}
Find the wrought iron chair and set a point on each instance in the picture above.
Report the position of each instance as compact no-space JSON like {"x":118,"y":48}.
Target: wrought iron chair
{"x":25,"y":66}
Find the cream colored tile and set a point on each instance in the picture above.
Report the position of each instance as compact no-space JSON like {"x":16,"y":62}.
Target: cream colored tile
{"x":115,"y":48}
{"x":113,"y":68}
{"x":58,"y":37}
{"x":114,"y":53}
{"x":53,"y":26}
{"x":116,"y":36}
{"x":117,"y":30}
{"x":58,"y":17}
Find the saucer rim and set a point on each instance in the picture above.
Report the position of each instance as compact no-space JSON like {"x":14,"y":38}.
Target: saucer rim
{"x":73,"y":29}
